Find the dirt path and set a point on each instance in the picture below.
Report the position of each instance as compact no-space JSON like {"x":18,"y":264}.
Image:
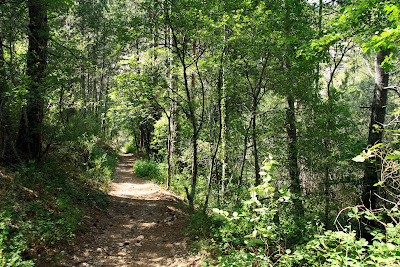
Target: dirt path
{"x":143,"y":226}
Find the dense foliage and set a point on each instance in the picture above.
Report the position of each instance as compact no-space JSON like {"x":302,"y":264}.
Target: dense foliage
{"x":43,"y":205}
{"x":255,"y":111}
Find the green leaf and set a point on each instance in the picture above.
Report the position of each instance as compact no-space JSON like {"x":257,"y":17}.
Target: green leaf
{"x":392,"y":157}
{"x":379,"y":144}
{"x":258,"y":241}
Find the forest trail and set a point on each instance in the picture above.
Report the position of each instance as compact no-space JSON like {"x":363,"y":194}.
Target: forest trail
{"x":142,"y":226}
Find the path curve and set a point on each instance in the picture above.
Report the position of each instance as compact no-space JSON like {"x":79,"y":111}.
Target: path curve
{"x":143,"y":226}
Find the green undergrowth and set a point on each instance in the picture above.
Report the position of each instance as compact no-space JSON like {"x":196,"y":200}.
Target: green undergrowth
{"x":43,"y":204}
{"x":130,"y":147}
{"x":263,"y":231}
{"x":150,"y":170}
{"x":157,"y":172}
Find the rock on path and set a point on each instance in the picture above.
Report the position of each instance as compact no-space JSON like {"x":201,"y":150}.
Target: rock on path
{"x":143,"y":226}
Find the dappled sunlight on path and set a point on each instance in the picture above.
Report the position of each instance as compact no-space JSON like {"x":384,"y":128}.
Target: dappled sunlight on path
{"x":143,"y":226}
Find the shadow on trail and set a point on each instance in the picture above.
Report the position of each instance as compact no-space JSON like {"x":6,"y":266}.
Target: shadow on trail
{"x":142,"y":226}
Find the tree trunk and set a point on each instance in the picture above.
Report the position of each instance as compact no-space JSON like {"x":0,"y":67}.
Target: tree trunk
{"x":137,"y":142}
{"x":169,"y":146}
{"x":223,"y":133}
{"x":213,"y":152}
{"x":376,"y":127}
{"x":171,"y":141}
{"x":192,"y":117}
{"x":293,"y":167}
{"x":192,"y":194}
{"x":83,"y":86}
{"x":246,"y":137}
{"x":8,"y":145}
{"x":255,"y":150}
{"x":3,"y":88}
{"x":30,"y":133}
{"x":172,"y":116}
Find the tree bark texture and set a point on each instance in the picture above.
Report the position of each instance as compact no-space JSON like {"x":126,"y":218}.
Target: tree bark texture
{"x":30,"y":132}
{"x":376,"y":127}
{"x":293,"y":167}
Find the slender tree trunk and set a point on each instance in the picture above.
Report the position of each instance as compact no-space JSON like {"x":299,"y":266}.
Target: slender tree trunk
{"x":172,"y":116}
{"x":223,"y":117}
{"x":171,"y":141}
{"x":60,"y":105}
{"x":190,"y":112}
{"x":327,"y":164}
{"x":320,"y":10}
{"x":8,"y":141}
{"x":169,"y":145}
{"x":221,"y":137}
{"x":209,"y":183}
{"x":191,"y":195}
{"x":255,"y":149}
{"x":246,"y":138}
{"x":137,"y":142}
{"x":83,"y":86}
{"x":87,"y":92}
{"x":376,"y":127}
{"x":141,"y":144}
{"x":192,"y":117}
{"x":223,"y":133}
{"x":30,"y":138}
{"x":3,"y":86}
{"x":104,"y":115}
{"x":293,"y":167}
{"x":94,"y":94}
{"x":326,"y":141}
{"x":243,"y":161}
{"x":4,"y":117}
{"x":213,"y":152}
{"x":99,"y":108}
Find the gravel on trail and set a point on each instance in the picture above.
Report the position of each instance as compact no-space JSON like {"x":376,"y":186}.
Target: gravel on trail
{"x":142,"y":226}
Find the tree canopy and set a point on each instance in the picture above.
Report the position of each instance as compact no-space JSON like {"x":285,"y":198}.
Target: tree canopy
{"x":258,"y":112}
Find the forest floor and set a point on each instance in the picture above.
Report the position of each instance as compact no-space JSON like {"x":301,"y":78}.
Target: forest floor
{"x":143,"y":226}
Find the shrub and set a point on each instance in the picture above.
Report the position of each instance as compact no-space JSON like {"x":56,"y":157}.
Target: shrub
{"x":261,"y":226}
{"x":342,"y":248}
{"x":100,"y":166}
{"x":160,"y":137}
{"x":147,"y":169}
{"x":42,"y":204}
{"x":130,"y":147}
{"x":89,"y":158}
{"x":40,"y":209}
